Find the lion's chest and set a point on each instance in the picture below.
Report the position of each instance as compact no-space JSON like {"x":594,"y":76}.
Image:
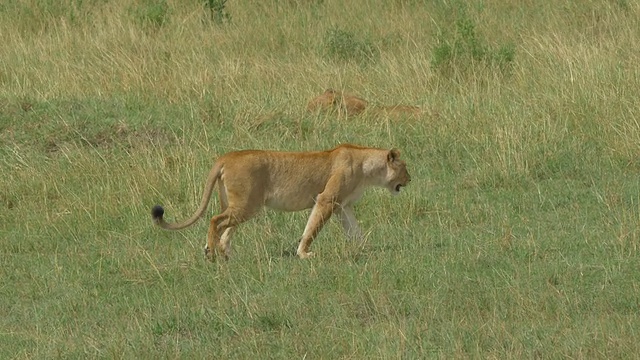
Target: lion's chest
{"x":353,"y":196}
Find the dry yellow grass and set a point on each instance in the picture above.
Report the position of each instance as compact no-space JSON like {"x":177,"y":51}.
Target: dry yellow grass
{"x":517,"y":238}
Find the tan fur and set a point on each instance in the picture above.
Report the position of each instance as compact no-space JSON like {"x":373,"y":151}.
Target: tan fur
{"x":323,"y":102}
{"x":337,"y":100}
{"x":327,"y":181}
{"x":351,"y":105}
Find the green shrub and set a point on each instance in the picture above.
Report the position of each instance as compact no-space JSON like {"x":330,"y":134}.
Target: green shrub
{"x":344,"y":46}
{"x":154,"y":13}
{"x":217,"y":10}
{"x":466,"y":47}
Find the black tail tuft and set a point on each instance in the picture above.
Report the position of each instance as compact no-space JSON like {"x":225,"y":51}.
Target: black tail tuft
{"x":157,"y":212}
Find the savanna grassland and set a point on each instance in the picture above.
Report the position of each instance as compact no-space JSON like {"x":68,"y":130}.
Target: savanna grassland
{"x":518,"y":236}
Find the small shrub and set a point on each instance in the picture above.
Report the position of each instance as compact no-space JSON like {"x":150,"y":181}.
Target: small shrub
{"x":624,"y":5}
{"x":153,"y":13}
{"x":343,"y":45}
{"x":466,"y":47}
{"x":217,"y":10}
{"x":442,"y":55}
{"x":505,"y":55}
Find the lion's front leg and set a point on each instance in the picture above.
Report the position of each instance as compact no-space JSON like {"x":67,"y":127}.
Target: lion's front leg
{"x":349,"y":223}
{"x":320,"y":213}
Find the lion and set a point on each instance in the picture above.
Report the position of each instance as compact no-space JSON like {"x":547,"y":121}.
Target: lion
{"x":352,"y":105}
{"x":327,"y":182}
{"x":332,"y":99}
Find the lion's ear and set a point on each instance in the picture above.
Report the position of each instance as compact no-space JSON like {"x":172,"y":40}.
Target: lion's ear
{"x":393,"y":155}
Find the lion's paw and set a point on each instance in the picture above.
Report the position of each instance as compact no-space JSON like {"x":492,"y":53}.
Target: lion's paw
{"x":208,"y":253}
{"x":305,"y":255}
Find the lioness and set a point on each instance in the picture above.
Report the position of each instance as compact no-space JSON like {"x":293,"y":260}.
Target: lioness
{"x":326,"y":181}
{"x":333,"y":99}
{"x":352,"y":105}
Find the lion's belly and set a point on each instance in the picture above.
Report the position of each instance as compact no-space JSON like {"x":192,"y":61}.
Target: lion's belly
{"x":293,"y":193}
{"x":289,"y":201}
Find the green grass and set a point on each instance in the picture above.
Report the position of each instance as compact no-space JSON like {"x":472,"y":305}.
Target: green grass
{"x":517,"y":238}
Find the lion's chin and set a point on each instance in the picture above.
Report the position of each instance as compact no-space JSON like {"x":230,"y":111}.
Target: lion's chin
{"x":395,"y":190}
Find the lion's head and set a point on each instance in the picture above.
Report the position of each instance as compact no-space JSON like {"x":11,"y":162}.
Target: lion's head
{"x":397,"y":175}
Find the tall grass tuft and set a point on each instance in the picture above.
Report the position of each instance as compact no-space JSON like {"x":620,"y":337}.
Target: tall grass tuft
{"x":217,"y":11}
{"x":153,"y":13}
{"x":465,"y":47}
{"x":345,"y":46}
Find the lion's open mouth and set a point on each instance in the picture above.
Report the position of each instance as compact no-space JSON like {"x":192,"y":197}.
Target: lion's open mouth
{"x":398,"y":187}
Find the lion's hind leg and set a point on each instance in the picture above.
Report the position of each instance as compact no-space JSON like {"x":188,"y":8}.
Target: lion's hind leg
{"x":224,"y":246}
{"x":221,"y":229}
{"x":213,"y":235}
{"x":218,"y":236}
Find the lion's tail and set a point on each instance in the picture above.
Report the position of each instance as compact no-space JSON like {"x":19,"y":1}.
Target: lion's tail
{"x":157,"y":212}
